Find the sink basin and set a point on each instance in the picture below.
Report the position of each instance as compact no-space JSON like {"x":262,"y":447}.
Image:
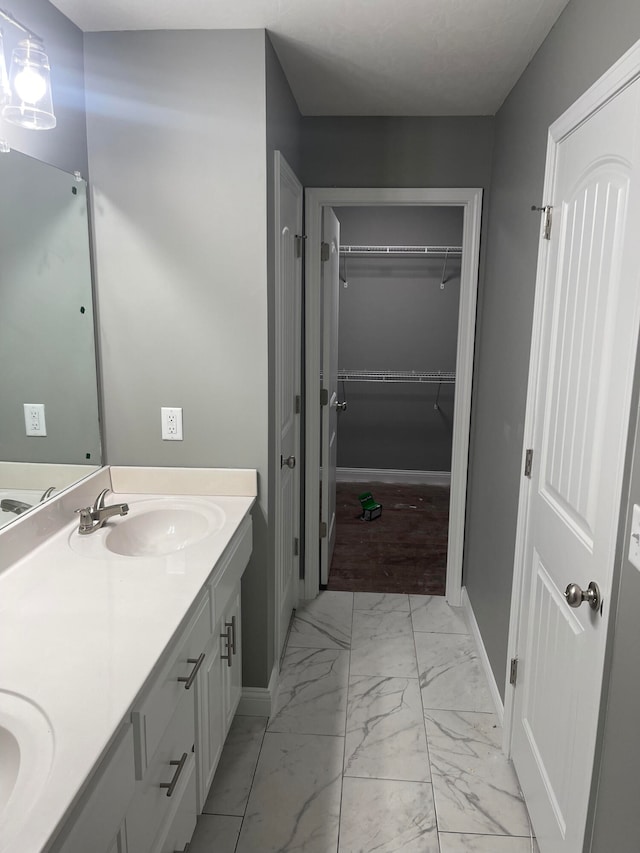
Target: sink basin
{"x":27,"y":749}
{"x":152,"y":528}
{"x":158,"y":532}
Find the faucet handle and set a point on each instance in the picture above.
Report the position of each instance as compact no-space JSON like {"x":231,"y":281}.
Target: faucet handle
{"x":86,"y":519}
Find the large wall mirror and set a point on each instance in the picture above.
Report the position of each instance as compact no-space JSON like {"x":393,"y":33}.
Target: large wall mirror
{"x":47,"y":347}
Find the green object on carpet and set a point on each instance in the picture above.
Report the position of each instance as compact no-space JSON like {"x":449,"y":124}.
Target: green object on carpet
{"x":371,"y":509}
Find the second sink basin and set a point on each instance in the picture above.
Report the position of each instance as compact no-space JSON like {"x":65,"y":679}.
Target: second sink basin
{"x":27,"y":750}
{"x":152,"y":528}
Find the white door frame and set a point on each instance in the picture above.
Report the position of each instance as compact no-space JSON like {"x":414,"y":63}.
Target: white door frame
{"x":471,"y":202}
{"x":620,"y":75}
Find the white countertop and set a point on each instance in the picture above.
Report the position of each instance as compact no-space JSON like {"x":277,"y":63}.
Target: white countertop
{"x":80,"y":636}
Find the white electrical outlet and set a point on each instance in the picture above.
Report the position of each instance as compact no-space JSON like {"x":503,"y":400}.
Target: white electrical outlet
{"x":171,"y":423}
{"x":34,"y":421}
{"x":634,"y":539}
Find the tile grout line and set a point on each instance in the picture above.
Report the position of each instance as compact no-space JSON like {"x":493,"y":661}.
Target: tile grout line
{"x":426,"y":737}
{"x":253,"y":778}
{"x":346,"y":717}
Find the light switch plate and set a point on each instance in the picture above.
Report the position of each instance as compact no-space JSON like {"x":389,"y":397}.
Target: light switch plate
{"x":34,"y":422}
{"x":171,"y":423}
{"x":634,"y":539}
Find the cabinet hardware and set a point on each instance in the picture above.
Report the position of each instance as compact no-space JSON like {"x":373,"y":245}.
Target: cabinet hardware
{"x":189,"y":679}
{"x":227,"y":636}
{"x":185,"y":849}
{"x":179,"y":765}
{"x":232,"y":625}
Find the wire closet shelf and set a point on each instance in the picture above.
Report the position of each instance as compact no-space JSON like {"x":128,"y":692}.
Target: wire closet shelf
{"x":425,"y":376}
{"x":425,"y":251}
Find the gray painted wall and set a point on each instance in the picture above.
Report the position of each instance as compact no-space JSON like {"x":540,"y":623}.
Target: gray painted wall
{"x":179,"y":204}
{"x":47,"y":352}
{"x":397,"y":152}
{"x":588,"y":37}
{"x":394,"y":315}
{"x":66,"y":145}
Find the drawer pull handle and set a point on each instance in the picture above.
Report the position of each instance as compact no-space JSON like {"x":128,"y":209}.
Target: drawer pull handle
{"x":179,"y":765}
{"x":227,"y":636}
{"x":189,"y":679}
{"x":185,"y":849}
{"x":232,"y":625}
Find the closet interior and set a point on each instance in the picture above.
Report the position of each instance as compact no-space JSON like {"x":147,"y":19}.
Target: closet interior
{"x":397,"y":337}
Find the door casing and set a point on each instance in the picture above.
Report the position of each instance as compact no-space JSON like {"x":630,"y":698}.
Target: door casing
{"x":287,"y":379}
{"x":471,"y":202}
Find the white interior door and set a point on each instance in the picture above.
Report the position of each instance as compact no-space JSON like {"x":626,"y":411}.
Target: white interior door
{"x":288,"y":322}
{"x":584,"y":360}
{"x":330,"y":292}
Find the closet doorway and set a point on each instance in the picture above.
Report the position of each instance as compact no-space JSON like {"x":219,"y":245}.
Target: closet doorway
{"x":398,"y":302}
{"x":378,"y":226}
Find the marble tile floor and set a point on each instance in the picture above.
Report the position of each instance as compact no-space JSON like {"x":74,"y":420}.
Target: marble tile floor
{"x":384,"y":739}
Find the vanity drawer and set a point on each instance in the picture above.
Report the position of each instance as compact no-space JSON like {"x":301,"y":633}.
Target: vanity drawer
{"x":156,"y":805}
{"x":227,"y":576}
{"x":153,"y":714}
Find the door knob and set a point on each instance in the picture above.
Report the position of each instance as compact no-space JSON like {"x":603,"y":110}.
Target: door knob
{"x":290,"y":461}
{"x":575,"y":596}
{"x":341,"y":407}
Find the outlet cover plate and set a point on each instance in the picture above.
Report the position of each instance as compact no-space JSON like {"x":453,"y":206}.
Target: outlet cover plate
{"x":171,"y":418}
{"x":34,"y":421}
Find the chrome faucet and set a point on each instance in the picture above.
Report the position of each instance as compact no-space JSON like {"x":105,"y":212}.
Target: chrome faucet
{"x":47,"y":493}
{"x":92,"y":518}
{"x":11,"y":505}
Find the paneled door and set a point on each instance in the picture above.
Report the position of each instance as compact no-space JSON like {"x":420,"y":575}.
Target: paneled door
{"x":329,"y":444}
{"x":288,"y":324}
{"x":584,"y":351}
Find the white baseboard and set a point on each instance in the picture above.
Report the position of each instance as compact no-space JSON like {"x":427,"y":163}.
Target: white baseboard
{"x":392,"y":475}
{"x":484,"y":658}
{"x":260,"y":701}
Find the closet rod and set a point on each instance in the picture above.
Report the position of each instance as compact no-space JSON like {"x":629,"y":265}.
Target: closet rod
{"x":401,"y":250}
{"x":433,"y":376}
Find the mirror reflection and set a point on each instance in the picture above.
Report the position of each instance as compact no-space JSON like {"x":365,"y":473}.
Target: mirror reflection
{"x":49,"y":429}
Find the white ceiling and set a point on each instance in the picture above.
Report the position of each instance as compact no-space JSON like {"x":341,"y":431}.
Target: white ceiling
{"x":365,"y":57}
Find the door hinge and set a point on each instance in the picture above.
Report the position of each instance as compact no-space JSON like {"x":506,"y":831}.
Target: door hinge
{"x":325,"y":251}
{"x":299,"y":243}
{"x":296,"y":547}
{"x":513,"y":671}
{"x":528,"y":462}
{"x":298,"y":404}
{"x":548,"y":217}
{"x":323,"y":529}
{"x":324,"y":397}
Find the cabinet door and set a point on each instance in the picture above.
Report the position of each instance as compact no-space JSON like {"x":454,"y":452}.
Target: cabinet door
{"x":210,"y":717}
{"x":233,"y":672}
{"x":162,"y":791}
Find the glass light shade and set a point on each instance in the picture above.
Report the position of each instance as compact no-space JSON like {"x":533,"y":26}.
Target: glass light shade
{"x":5,"y":91}
{"x":31,"y":105}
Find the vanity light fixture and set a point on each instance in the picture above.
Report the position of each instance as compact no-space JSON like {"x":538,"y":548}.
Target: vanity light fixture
{"x":28,"y":102}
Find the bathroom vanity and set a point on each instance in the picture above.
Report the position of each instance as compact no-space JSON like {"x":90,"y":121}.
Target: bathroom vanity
{"x":121,"y":664}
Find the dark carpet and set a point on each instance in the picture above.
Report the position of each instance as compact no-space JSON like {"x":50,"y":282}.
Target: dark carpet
{"x":405,"y":550}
